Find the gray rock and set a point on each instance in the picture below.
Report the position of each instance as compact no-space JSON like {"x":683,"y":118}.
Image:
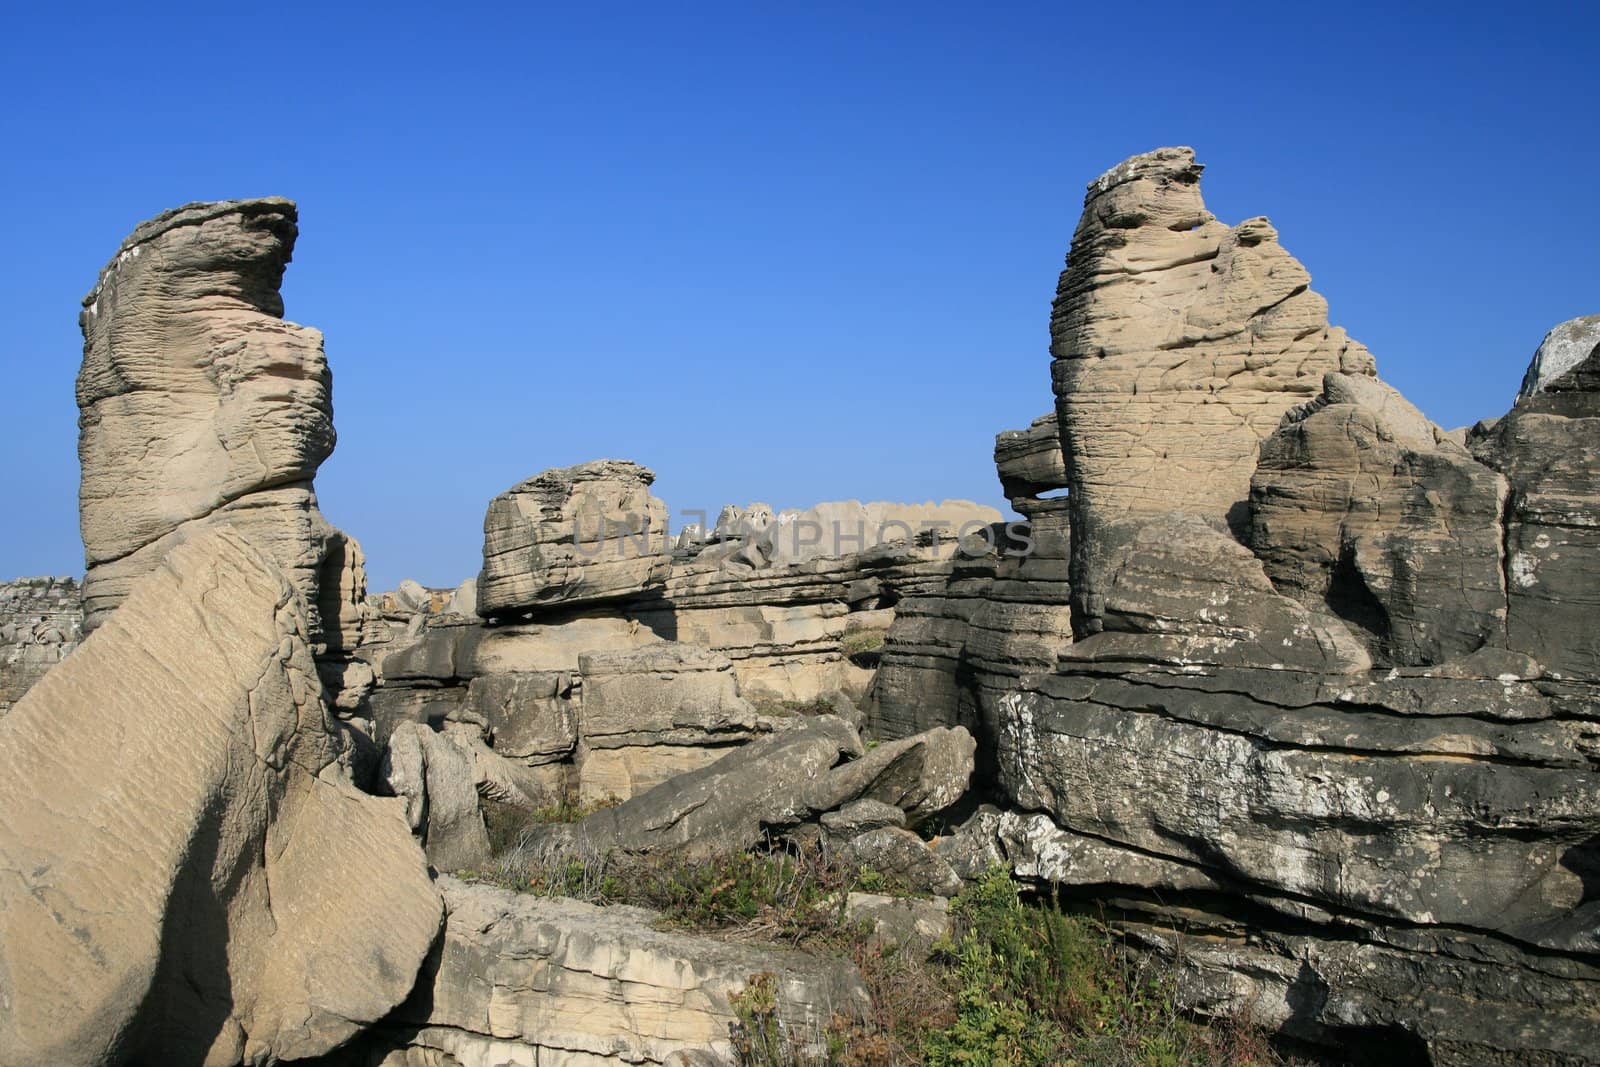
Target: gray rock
{"x":439,"y":784}
{"x":911,"y":923}
{"x":903,"y":856}
{"x":1563,"y":348}
{"x":859,"y":816}
{"x":1546,"y":449}
{"x":1357,"y":511}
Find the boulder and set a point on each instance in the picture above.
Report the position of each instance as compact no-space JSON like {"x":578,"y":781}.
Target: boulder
{"x":200,"y":405}
{"x":1178,"y":343}
{"x":772,"y":785}
{"x":904,"y":857}
{"x":860,"y":816}
{"x":521,"y":979}
{"x":439,"y":782}
{"x":1360,"y":509}
{"x":188,"y":878}
{"x":1181,"y":592}
{"x":1030,"y":461}
{"x":572,"y":535}
{"x":1563,"y":348}
{"x":724,"y":807}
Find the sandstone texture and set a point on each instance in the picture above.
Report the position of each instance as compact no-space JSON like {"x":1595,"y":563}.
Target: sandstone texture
{"x":772,"y":786}
{"x":572,"y":535}
{"x":1546,"y":448}
{"x":530,"y":981}
{"x":41,"y":622}
{"x":1178,"y":343}
{"x":200,"y":405}
{"x":1360,"y":507}
{"x":186,"y":874}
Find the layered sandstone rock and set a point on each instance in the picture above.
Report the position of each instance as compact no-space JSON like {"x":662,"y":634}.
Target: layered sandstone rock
{"x":1361,"y":507}
{"x":200,"y":405}
{"x":1546,"y":448}
{"x":1178,"y":343}
{"x":572,"y":535}
{"x":529,"y":980}
{"x":773,"y":785}
{"x":1407,"y":835}
{"x":187,"y":876}
{"x":41,"y":622}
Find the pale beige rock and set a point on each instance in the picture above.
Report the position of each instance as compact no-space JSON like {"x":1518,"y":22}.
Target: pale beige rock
{"x":184,"y":875}
{"x":606,"y":775}
{"x":840,"y":528}
{"x":439,"y":782}
{"x":1178,"y":343}
{"x":665,"y":694}
{"x":572,"y":535}
{"x":529,"y":981}
{"x":198,"y":404}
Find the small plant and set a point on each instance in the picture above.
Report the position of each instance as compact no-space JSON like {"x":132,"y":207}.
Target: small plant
{"x":862,"y":647}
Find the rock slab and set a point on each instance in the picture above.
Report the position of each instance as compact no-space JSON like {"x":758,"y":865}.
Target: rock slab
{"x":185,"y":876}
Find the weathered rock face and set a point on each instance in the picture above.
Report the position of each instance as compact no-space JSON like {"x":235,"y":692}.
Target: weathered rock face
{"x":1563,"y":348}
{"x":774,"y":784}
{"x":437,"y":780}
{"x":1179,"y":343}
{"x":526,"y":980}
{"x":1030,"y":461}
{"x":41,"y":622}
{"x":843,"y":528}
{"x":199,"y":405}
{"x":1546,"y":448}
{"x":186,"y":873}
{"x":572,"y":535}
{"x":1406,"y":834}
{"x":1360,"y":507}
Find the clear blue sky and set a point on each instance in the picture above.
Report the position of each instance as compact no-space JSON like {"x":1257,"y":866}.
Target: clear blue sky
{"x":791,"y":252}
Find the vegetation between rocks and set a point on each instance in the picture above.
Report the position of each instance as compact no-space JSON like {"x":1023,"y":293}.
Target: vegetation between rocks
{"x":1018,"y":982}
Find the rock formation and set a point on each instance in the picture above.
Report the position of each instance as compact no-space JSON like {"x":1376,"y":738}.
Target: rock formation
{"x":521,"y":979}
{"x":1546,"y":449}
{"x":772,"y":786}
{"x":1298,"y":690}
{"x":186,"y":876}
{"x":41,"y":622}
{"x":572,"y":535}
{"x":1179,"y":343}
{"x":200,"y":405}
{"x":1362,"y":507}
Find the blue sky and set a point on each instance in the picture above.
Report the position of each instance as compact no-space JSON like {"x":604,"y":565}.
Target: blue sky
{"x":782,"y":252}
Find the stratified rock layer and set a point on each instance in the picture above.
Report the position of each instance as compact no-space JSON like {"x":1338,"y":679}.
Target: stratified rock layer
{"x":1179,"y":343}
{"x":572,"y":535}
{"x":41,"y":622}
{"x":185,"y":877}
{"x":199,"y":404}
{"x":1361,"y":508}
{"x":524,"y":980}
{"x":1548,"y":448}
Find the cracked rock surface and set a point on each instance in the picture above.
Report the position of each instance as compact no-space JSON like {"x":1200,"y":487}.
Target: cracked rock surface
{"x":184,"y":872}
